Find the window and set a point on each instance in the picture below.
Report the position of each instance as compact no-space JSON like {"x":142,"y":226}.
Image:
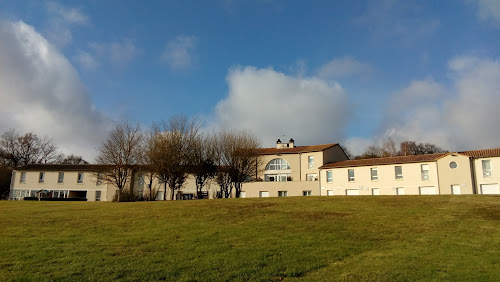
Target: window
{"x":425,"y":171}
{"x":263,"y":194}
{"x":486,"y":168}
{"x":80,"y":177}
{"x":23,"y":177}
{"x":311,"y":161}
{"x":306,"y":193}
{"x":278,"y":164}
{"x":400,"y":190}
{"x":374,"y":173}
{"x":350,"y":174}
{"x":41,"y":178}
{"x":329,"y":192}
{"x":329,"y":176}
{"x":100,"y":177}
{"x":60,"y":178}
{"x":375,"y":191}
{"x":399,"y":172}
{"x":312,"y":177}
{"x":453,"y":165}
{"x":97,"y":196}
{"x":282,"y":193}
{"x":277,"y":177}
{"x":141,"y":180}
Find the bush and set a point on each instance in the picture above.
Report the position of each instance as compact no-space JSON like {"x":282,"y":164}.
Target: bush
{"x":130,"y":196}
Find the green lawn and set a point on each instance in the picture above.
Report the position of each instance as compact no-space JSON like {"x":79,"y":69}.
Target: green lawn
{"x":311,"y":238}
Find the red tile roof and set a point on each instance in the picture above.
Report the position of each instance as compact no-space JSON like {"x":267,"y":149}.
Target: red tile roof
{"x":295,"y":150}
{"x":386,"y":161}
{"x":486,"y":153}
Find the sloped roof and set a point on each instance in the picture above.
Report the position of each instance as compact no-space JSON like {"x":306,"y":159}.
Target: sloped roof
{"x":486,"y":153}
{"x":63,"y":167}
{"x":386,"y":161}
{"x":295,"y":150}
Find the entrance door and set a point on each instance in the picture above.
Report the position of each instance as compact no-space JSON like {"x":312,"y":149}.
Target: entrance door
{"x":429,"y":190}
{"x":455,"y":189}
{"x":352,"y":192}
{"x":264,"y":194}
{"x":490,"y":189}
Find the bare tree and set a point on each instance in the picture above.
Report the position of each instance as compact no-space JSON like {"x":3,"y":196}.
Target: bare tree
{"x":73,"y":159}
{"x":17,"y":150}
{"x":237,"y":159}
{"x":121,"y":151}
{"x":389,"y":148}
{"x":172,"y":151}
{"x":203,"y":165}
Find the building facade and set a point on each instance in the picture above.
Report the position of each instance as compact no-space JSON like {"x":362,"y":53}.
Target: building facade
{"x":289,"y":170}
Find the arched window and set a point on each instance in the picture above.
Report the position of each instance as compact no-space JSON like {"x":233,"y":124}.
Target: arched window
{"x":278,"y":164}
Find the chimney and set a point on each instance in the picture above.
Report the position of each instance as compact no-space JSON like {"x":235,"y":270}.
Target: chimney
{"x":278,"y":144}
{"x":291,"y":143}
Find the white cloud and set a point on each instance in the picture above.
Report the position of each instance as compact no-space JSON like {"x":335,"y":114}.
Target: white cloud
{"x":117,"y":52}
{"x":61,"y":20}
{"x":179,"y":52}
{"x":488,"y":10}
{"x":463,"y":117}
{"x":41,"y":92}
{"x":400,"y":20}
{"x":343,"y":67}
{"x":270,"y":103}
{"x":86,"y":60}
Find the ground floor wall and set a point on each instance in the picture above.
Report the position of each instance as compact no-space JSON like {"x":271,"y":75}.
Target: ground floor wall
{"x":280,"y":189}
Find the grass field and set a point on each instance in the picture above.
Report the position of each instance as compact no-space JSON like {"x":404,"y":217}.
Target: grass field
{"x":311,"y":238}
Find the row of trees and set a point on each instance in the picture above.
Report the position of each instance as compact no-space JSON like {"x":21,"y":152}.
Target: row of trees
{"x":18,"y":150}
{"x":406,"y":148}
{"x":171,"y":150}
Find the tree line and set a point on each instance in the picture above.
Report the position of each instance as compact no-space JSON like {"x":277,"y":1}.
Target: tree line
{"x":171,"y":151}
{"x":405,"y":148}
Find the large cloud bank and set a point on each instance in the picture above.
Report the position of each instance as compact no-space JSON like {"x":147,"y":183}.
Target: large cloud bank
{"x":40,"y":92}
{"x":270,"y":103}
{"x":463,"y":116}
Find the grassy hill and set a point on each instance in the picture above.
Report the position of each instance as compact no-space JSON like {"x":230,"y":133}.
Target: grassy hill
{"x":310,"y":238}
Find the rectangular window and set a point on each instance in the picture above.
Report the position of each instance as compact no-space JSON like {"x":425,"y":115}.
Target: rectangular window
{"x":311,"y":162}
{"x":312,"y":177}
{"x":263,"y":194}
{"x":100,"y":177}
{"x":486,"y":168}
{"x":374,"y":173}
{"x":399,"y":172}
{"x":425,"y":171}
{"x":329,"y":176}
{"x":41,"y":178}
{"x":23,"y":177}
{"x":306,"y":193}
{"x":350,"y":174}
{"x":97,"y":196}
{"x":141,"y":180}
{"x":329,"y":192}
{"x":282,"y":193}
{"x":80,"y":177}
{"x":60,"y":178}
{"x":375,"y":191}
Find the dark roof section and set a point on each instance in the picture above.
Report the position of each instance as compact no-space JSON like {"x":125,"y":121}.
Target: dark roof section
{"x":64,"y":167}
{"x":295,"y":150}
{"x":486,"y":153}
{"x":386,"y":161}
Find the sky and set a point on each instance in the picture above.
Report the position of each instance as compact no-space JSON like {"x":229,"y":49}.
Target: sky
{"x":350,"y":72}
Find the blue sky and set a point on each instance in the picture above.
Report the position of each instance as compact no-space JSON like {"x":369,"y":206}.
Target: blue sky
{"x":354,"y":72}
